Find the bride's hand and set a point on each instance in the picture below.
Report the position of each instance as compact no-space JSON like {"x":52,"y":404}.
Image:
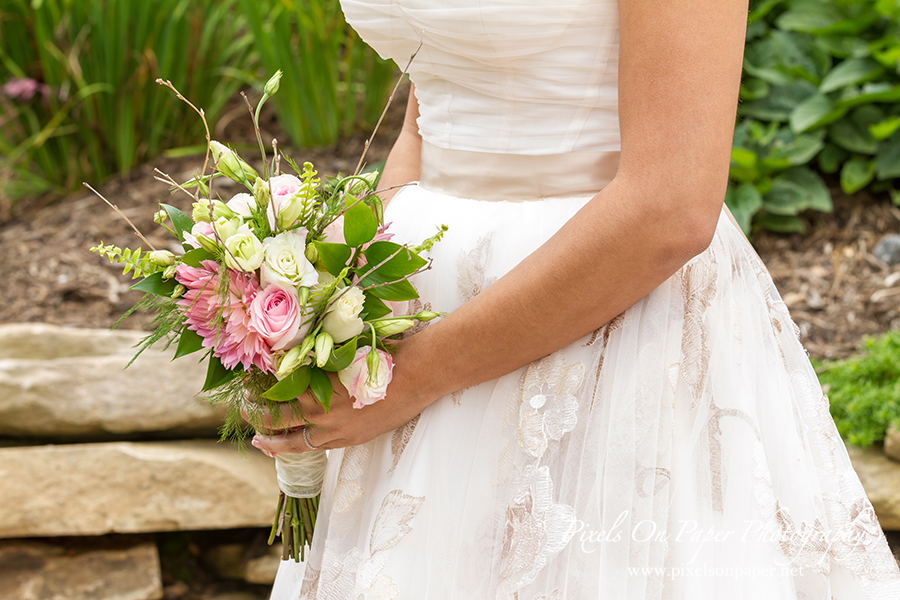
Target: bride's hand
{"x":341,"y":426}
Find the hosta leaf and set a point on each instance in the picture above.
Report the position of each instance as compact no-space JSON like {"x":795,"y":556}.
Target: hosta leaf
{"x":887,"y":159}
{"x":814,"y":112}
{"x":744,"y":201}
{"x":831,"y":157}
{"x":885,"y":129}
{"x":856,"y":174}
{"x":781,"y":223}
{"x":852,"y":71}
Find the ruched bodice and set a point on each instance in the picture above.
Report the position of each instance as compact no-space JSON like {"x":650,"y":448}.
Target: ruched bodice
{"x":507,"y":76}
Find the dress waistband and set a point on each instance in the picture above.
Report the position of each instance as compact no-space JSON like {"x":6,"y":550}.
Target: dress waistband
{"x":514,"y":177}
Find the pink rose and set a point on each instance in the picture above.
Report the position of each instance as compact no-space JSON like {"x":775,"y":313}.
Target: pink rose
{"x":367,"y":390}
{"x":283,"y":188}
{"x":275,"y":315}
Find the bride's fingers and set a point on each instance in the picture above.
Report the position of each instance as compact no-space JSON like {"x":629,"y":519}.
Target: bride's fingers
{"x":292,"y":442}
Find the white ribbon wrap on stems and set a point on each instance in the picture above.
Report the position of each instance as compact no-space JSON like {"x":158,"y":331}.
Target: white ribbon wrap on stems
{"x":301,"y":475}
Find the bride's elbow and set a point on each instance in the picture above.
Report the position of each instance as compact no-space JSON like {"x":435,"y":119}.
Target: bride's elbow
{"x":690,"y":224}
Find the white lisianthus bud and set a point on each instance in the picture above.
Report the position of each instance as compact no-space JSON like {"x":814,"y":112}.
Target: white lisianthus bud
{"x":324,"y":345}
{"x":392,"y":327}
{"x":179,"y":291}
{"x":169,"y":273}
{"x":160,"y":216}
{"x":261,"y":192}
{"x":342,"y":319}
{"x":162,"y":258}
{"x":312,"y":254}
{"x":290,"y":210}
{"x":373,"y":362}
{"x":294,"y":358}
{"x":426,"y":315}
{"x":231,"y":165}
{"x":200,"y":212}
{"x":208,"y":243}
{"x":273,"y":83}
{"x":244,"y":251}
{"x":285,"y":261}
{"x":303,"y":294}
{"x":225,"y":227}
{"x":359,"y":187}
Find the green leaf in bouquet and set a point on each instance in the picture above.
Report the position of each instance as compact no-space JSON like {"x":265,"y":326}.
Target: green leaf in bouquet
{"x":852,"y":71}
{"x":334,"y":257}
{"x":398,"y":261}
{"x":290,"y":387}
{"x":360,"y":225}
{"x":397,"y":291}
{"x":155,"y":284}
{"x":857,"y":173}
{"x":887,"y":159}
{"x":374,"y":308}
{"x":194,"y":257}
{"x":341,"y":357}
{"x":216,"y":374}
{"x":181,"y":221}
{"x":320,"y":386}
{"x":188,"y":342}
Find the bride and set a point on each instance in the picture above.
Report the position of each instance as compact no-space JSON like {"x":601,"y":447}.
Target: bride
{"x":617,"y":405}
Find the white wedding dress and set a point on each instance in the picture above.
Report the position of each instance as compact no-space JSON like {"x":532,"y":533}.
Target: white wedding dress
{"x":682,"y":451}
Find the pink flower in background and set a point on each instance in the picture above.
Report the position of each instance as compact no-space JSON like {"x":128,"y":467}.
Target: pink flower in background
{"x":24,"y":89}
{"x":283,"y":187}
{"x":275,"y":315}
{"x":237,"y":343}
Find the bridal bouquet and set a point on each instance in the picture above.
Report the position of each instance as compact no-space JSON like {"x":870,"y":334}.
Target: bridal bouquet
{"x":278,"y":286}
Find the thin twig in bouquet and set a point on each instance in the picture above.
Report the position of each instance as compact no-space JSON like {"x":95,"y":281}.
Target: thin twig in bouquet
{"x":121,"y":214}
{"x":384,"y":112}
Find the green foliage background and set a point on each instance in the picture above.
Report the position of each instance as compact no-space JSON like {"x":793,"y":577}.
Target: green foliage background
{"x":102,"y":112}
{"x":820,"y":92}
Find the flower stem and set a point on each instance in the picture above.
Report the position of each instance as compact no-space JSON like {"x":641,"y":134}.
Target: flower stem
{"x":275,"y":523}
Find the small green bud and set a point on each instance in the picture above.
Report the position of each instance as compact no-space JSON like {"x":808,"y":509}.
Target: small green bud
{"x":273,"y":83}
{"x":207,"y":243}
{"x":373,"y":361}
{"x":392,"y":327}
{"x":293,"y":358}
{"x":359,"y":187}
{"x":231,"y":165}
{"x":261,"y":193}
{"x":169,"y":273}
{"x":162,"y":258}
{"x":201,"y":212}
{"x":304,"y":296}
{"x":324,"y":345}
{"x":179,"y":291}
{"x":312,"y":253}
{"x":160,"y":216}
{"x":426,"y":315}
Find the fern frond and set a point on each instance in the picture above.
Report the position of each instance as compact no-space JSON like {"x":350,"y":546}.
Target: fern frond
{"x":167,"y":322}
{"x":135,"y":261}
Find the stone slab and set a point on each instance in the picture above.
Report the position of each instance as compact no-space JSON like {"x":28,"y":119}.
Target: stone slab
{"x":880,"y":476}
{"x":130,"y":487}
{"x":63,"y":383}
{"x":37,"y":571}
{"x":892,"y":442}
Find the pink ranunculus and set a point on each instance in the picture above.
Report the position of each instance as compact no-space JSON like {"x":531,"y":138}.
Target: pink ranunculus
{"x":283,"y":187}
{"x":356,"y":378}
{"x":275,"y":315}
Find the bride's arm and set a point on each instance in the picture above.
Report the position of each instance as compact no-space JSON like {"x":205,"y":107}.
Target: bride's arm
{"x":402,"y":164}
{"x":679,"y":73}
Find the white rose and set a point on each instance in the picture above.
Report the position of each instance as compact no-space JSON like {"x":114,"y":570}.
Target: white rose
{"x":244,"y":251}
{"x":342,"y":320}
{"x":242,"y":204}
{"x":285,"y":261}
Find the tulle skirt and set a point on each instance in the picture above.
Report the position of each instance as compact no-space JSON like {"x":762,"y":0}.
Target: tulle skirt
{"x":684,"y":450}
